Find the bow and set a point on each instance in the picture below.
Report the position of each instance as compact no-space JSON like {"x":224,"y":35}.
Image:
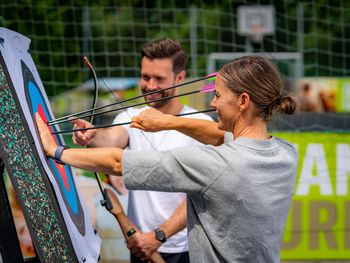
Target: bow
{"x":105,"y":202}
{"x":110,"y":200}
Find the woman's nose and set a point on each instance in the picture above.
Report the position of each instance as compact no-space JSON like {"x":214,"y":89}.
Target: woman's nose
{"x":213,"y":103}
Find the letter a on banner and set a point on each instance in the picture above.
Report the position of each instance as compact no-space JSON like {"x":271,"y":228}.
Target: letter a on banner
{"x":56,"y":215}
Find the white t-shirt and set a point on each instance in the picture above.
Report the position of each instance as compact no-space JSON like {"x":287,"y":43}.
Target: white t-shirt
{"x":149,"y":209}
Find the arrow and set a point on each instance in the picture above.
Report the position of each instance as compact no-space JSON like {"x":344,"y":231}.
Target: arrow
{"x":58,"y":120}
{"x":124,"y":123}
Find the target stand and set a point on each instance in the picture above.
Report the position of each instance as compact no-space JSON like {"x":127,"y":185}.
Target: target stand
{"x":10,"y":250}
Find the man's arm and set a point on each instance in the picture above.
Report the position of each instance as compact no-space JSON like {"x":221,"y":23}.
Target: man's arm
{"x":176,"y":222}
{"x":109,"y":137}
{"x":205,"y":131}
{"x":147,"y":244}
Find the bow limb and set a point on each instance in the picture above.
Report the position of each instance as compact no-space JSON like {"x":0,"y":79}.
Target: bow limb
{"x":100,"y":185}
{"x":110,"y":200}
{"x":128,"y":228}
{"x":94,"y":103}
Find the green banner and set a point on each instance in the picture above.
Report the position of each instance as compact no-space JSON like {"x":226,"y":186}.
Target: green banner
{"x":343,"y":101}
{"x":318,"y":225}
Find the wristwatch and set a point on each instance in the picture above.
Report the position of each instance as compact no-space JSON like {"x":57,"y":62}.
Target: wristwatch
{"x":160,"y":235}
{"x":58,"y":153}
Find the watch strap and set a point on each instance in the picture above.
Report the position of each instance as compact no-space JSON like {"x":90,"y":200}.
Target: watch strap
{"x":58,"y":153}
{"x":131,"y":232}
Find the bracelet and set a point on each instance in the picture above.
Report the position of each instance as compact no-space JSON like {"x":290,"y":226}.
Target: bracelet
{"x":58,"y":153}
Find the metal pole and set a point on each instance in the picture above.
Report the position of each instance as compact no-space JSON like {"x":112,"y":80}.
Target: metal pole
{"x":86,"y":36}
{"x":248,"y":44}
{"x":300,"y":15}
{"x":193,"y":40}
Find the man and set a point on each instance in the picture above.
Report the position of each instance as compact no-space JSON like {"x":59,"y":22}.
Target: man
{"x":160,"y":216}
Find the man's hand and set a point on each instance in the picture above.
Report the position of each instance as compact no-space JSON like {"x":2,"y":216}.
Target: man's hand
{"x":82,"y":138}
{"x":151,"y":120}
{"x":46,"y":137}
{"x":143,"y":245}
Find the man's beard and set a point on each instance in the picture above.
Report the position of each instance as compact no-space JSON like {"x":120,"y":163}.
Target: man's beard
{"x":159,"y":104}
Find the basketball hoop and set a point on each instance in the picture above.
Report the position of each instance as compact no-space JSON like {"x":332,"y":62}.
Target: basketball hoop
{"x":257,"y":33}
{"x":256,"y":22}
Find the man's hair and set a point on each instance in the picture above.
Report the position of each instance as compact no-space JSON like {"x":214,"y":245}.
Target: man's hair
{"x":166,"y":48}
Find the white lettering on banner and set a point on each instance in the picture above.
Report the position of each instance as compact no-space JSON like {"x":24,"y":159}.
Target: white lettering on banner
{"x":343,"y":168}
{"x":314,"y":158}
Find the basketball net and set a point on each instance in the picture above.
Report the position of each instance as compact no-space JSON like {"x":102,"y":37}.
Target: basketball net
{"x":256,"y":33}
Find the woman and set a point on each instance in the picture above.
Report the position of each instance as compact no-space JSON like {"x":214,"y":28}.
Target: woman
{"x":239,"y":193}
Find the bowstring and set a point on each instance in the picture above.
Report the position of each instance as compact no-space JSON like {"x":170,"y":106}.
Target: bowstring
{"x":120,"y":106}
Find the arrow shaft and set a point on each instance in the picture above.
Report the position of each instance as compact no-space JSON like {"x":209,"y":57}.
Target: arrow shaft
{"x":129,"y":99}
{"x":123,"y":108}
{"x":125,"y":123}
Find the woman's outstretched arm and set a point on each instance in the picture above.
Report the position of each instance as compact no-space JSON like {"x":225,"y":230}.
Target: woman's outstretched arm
{"x":152,"y":120}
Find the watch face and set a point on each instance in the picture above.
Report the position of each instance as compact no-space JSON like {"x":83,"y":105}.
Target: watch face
{"x":160,"y":235}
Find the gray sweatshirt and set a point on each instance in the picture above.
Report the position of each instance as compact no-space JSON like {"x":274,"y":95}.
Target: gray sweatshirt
{"x":238,"y":194}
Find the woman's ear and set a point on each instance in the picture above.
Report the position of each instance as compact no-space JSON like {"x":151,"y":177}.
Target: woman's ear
{"x":244,"y":101}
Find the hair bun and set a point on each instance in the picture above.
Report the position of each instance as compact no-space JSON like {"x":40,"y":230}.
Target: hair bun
{"x":288,"y":105}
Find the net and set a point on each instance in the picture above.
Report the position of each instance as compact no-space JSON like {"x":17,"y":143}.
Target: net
{"x":309,"y":44}
{"x":112,"y":32}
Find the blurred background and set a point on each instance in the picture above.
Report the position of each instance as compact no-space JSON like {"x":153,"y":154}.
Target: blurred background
{"x":309,"y":41}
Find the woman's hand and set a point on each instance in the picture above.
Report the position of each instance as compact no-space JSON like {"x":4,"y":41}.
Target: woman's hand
{"x":46,"y":137}
{"x":151,"y":120}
